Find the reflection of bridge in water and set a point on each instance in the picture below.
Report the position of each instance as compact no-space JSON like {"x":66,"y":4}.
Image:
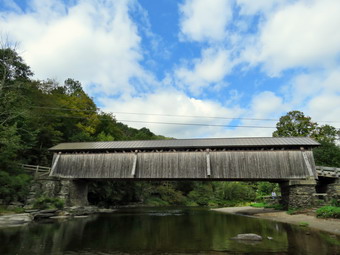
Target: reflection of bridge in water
{"x":288,"y":161}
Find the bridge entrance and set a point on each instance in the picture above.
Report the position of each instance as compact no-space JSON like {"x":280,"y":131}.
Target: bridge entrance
{"x":288,"y":161}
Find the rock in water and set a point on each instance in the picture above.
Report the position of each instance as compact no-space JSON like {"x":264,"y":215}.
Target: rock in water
{"x":248,"y":237}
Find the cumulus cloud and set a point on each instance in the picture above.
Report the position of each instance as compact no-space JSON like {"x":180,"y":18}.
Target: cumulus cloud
{"x":301,"y":34}
{"x":253,"y":7}
{"x":173,"y":102}
{"x":203,"y":20}
{"x":95,"y":42}
{"x":318,"y":95}
{"x":209,"y":70}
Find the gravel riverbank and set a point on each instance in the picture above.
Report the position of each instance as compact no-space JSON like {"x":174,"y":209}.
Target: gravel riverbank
{"x":327,"y":225}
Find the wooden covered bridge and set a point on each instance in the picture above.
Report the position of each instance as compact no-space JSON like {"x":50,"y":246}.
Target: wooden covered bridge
{"x":288,"y":161}
{"x":195,"y":159}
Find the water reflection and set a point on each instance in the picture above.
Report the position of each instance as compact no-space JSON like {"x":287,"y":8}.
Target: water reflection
{"x":163,"y":231}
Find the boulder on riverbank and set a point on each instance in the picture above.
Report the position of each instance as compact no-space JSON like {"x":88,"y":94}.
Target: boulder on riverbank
{"x":247,"y":237}
{"x":14,"y":220}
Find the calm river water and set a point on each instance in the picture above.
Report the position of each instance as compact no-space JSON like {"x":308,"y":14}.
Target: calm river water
{"x":163,"y":231}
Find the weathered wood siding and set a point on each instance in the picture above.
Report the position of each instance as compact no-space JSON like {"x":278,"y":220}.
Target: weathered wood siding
{"x":228,"y":165}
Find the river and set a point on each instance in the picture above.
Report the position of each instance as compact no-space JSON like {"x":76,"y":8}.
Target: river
{"x":163,"y":231}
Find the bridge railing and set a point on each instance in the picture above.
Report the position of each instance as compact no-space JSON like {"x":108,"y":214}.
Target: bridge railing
{"x":326,"y":171}
{"x":37,"y":171}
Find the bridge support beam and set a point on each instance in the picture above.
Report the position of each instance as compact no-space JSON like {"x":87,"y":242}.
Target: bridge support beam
{"x":297,"y":194}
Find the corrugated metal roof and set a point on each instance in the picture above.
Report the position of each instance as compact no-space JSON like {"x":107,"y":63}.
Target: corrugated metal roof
{"x":189,"y":144}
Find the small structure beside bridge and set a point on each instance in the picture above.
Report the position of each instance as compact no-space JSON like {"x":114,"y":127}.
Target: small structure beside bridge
{"x":287,"y":161}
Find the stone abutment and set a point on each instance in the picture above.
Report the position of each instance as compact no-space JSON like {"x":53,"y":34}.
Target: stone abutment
{"x":297,"y":193}
{"x":72,"y":192}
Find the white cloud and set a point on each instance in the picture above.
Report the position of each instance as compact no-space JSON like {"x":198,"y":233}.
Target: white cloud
{"x":265,"y":104}
{"x":302,"y":34}
{"x":209,"y":70}
{"x":253,"y":7}
{"x":203,"y":20}
{"x":95,"y":42}
{"x":317,"y":94}
{"x":325,"y":107}
{"x":172,"y":102}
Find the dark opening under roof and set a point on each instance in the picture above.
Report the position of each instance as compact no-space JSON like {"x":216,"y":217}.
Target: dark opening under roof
{"x":249,"y":142}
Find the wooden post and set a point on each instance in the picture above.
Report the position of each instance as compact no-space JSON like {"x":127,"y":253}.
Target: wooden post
{"x":36,"y":171}
{"x":133,"y":170}
{"x":208,"y":163}
{"x":309,"y":167}
{"x":55,"y":163}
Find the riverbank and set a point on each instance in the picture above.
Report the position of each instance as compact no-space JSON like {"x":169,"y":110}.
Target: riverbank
{"x":327,"y":225}
{"x":21,"y":219}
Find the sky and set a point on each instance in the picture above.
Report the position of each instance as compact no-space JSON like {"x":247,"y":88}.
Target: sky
{"x":190,"y":68}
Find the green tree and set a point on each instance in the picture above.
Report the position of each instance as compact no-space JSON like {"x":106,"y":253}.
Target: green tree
{"x":295,"y":123}
{"x":326,"y":134}
{"x":328,"y":154}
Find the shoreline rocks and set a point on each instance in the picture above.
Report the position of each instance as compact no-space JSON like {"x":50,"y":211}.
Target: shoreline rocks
{"x":21,"y":219}
{"x":14,"y":220}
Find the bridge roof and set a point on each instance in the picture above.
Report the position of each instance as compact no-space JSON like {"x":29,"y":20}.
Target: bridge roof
{"x":249,"y":142}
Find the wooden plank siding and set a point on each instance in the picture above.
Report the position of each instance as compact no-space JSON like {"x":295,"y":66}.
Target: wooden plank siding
{"x":224,"y":165}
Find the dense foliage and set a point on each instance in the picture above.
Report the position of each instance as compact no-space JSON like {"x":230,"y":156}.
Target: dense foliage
{"x":36,"y":115}
{"x":328,"y":212}
{"x":295,"y":123}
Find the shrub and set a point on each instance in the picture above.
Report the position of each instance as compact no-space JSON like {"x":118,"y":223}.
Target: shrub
{"x":335,"y":202}
{"x":5,"y":210}
{"x":155,"y":201}
{"x":328,"y":212}
{"x":202,"y":194}
{"x":235,"y":191}
{"x":48,"y":203}
{"x":191,"y":203}
{"x":170,"y":195}
{"x":13,"y":187}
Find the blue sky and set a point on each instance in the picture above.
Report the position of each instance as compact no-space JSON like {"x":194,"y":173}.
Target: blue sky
{"x":210,"y":58}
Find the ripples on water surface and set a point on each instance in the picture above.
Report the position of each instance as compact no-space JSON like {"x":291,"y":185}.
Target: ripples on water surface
{"x":163,"y":231}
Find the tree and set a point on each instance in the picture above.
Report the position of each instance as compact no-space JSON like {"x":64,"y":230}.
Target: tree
{"x":326,"y":134}
{"x":295,"y":123}
{"x":328,"y":154}
{"x":12,"y":68}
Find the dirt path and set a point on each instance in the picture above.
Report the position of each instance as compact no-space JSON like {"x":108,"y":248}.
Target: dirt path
{"x":328,"y":225}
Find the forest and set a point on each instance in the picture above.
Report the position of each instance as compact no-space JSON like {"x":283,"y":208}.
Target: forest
{"x":38,"y":114}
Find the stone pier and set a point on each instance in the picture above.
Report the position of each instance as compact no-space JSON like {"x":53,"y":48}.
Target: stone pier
{"x":333,"y":190}
{"x":72,"y":192}
{"x":297,"y":193}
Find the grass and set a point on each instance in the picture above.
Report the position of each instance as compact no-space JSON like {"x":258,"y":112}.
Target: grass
{"x":264,"y":205}
{"x":4,"y":210}
{"x":328,"y":212}
{"x":303,"y":224}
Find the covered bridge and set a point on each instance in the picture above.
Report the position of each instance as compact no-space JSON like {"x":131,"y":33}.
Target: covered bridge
{"x":269,"y":158}
{"x":288,"y":161}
